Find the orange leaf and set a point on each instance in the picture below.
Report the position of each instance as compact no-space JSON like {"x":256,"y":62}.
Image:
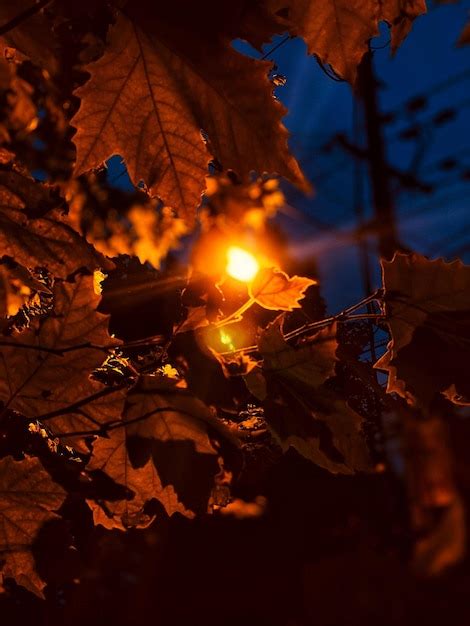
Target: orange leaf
{"x":35,"y":381}
{"x":45,"y":240}
{"x":275,"y":290}
{"x":300,"y":410}
{"x":168,"y":82}
{"x":338,"y":31}
{"x":28,"y":497}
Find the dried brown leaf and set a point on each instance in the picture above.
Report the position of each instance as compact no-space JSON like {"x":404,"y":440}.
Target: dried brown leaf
{"x":45,"y":240}
{"x":339,"y":31}
{"x":36,"y":382}
{"x":168,"y":82}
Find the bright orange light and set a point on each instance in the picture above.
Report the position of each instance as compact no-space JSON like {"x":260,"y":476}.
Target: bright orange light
{"x":241,"y":264}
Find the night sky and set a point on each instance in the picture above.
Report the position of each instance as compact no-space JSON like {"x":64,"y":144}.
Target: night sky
{"x":427,"y":65}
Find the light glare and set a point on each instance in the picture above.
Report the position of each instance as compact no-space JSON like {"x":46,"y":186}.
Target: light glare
{"x":241,"y":264}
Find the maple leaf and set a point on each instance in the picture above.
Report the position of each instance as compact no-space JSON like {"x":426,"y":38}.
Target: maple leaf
{"x":37,"y":378}
{"x":168,"y":82}
{"x":28,"y":497}
{"x":339,"y":31}
{"x":162,"y":450}
{"x":301,"y":411}
{"x":45,"y":240}
{"x":427,"y":308}
{"x":275,"y":290}
{"x":110,"y":455}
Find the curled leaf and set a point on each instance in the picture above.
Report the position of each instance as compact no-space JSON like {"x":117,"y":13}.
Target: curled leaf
{"x":166,"y":73}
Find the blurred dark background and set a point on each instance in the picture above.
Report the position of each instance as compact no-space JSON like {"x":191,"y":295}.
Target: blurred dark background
{"x":330,"y":551}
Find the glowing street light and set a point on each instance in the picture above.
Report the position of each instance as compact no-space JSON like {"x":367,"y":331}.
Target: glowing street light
{"x":241,"y":264}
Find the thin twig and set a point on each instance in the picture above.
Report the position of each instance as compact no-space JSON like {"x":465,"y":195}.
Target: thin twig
{"x":77,"y":405}
{"x":57,"y":351}
{"x":23,"y":16}
{"x":112,"y":425}
{"x":343,"y":316}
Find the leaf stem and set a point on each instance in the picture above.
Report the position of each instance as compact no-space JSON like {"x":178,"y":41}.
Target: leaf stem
{"x":237,"y":315}
{"x":343,"y":316}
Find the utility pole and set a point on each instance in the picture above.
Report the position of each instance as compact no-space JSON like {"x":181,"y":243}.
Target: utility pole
{"x":383,"y":204}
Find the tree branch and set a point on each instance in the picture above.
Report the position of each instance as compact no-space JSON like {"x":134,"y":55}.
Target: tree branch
{"x":57,"y":351}
{"x":107,"y":426}
{"x":23,"y":16}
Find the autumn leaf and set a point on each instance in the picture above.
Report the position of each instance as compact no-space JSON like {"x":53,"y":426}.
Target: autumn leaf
{"x":36,"y":378}
{"x":300,"y":410}
{"x":339,"y":31}
{"x":16,"y":287}
{"x":161,"y":449}
{"x":275,"y":290}
{"x":110,"y":455}
{"x":312,"y":363}
{"x":45,"y":240}
{"x":168,"y":82}
{"x":28,"y":499}
{"x":235,"y":364}
{"x":427,"y":308}
{"x":32,"y":36}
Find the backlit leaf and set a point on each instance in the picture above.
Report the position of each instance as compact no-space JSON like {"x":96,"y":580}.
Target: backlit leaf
{"x":45,"y":240}
{"x":28,"y":499}
{"x":275,"y":290}
{"x":301,"y":411}
{"x":35,"y":381}
{"x":427,"y":307}
{"x":32,"y":36}
{"x":338,"y":31}
{"x":110,"y":455}
{"x":168,"y":82}
{"x":160,"y":450}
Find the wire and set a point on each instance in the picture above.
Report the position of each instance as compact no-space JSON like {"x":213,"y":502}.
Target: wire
{"x":276,"y":47}
{"x":329,"y":71}
{"x":437,"y":87}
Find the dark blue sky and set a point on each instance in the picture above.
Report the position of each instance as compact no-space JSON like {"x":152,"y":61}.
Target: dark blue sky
{"x":427,"y":64}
